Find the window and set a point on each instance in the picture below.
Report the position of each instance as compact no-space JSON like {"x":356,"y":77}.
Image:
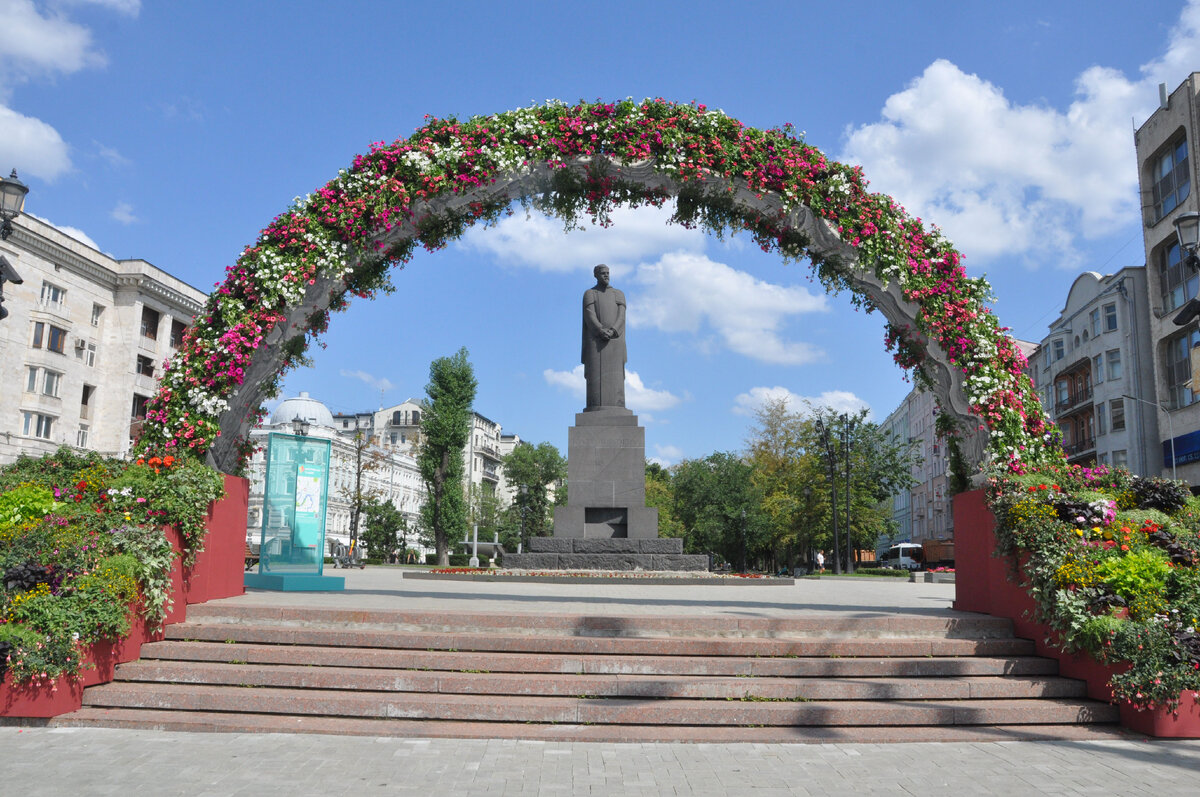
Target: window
{"x":1094,"y":320}
{"x":38,"y":425}
{"x":1100,"y":419}
{"x":1098,"y":367}
{"x":1064,"y":392}
{"x":1116,"y":414}
{"x":1102,"y":459}
{"x":97,"y":311}
{"x":54,"y":338}
{"x":1120,"y":459}
{"x":89,"y":358}
{"x":81,"y":437}
{"x":1177,"y":282}
{"x":1114,"y":364}
{"x":1110,"y":317}
{"x":49,"y":381}
{"x":1059,"y":350}
{"x":39,"y":332}
{"x":150,"y":323}
{"x":177,"y":330}
{"x":1178,"y":368}
{"x":52,"y":296}
{"x":145,"y":366}
{"x":139,"y":406}
{"x":1170,"y":181}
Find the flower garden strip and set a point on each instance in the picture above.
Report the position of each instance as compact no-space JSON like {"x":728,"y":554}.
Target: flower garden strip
{"x":96,"y":556}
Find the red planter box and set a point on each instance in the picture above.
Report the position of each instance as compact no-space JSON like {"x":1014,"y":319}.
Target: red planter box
{"x":217,"y":573}
{"x":989,"y":584}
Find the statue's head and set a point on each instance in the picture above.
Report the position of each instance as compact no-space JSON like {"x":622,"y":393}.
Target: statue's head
{"x":601,"y":274}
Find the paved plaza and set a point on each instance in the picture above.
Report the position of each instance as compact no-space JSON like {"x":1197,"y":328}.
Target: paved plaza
{"x":80,"y":761}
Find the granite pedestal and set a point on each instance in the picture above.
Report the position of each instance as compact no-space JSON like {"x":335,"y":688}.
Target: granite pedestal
{"x":606,"y":524}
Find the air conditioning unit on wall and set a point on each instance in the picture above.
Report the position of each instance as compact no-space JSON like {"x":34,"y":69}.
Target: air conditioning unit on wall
{"x":80,"y":343}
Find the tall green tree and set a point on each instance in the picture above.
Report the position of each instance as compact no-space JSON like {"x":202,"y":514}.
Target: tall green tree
{"x":660,"y":494}
{"x":367,"y":457}
{"x":716,"y":502}
{"x":385,"y":529}
{"x":445,"y":429}
{"x":531,"y":470}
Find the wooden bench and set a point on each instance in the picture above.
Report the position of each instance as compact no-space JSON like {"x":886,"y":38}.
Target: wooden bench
{"x":251,"y":557}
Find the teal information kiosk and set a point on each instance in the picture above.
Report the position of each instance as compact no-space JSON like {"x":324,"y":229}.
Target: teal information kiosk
{"x":292,"y":540}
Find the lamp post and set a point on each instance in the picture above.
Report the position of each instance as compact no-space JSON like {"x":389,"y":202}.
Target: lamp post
{"x":823,"y":433}
{"x":12,"y":202}
{"x":300,"y":426}
{"x":848,"y":425}
{"x":743,"y":568}
{"x":1170,"y":425}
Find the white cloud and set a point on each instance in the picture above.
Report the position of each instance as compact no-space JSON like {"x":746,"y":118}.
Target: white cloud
{"x":123,"y":213}
{"x":78,"y":235}
{"x":750,"y":402}
{"x":538,"y":241}
{"x":686,"y":292}
{"x":32,"y":146}
{"x":1005,"y":179}
{"x":378,"y":383}
{"x":638,"y":397}
{"x":33,"y":45}
{"x":667,"y":455}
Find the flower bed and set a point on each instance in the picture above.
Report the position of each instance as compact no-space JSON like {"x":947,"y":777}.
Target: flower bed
{"x":90,"y":572}
{"x":1099,"y":568}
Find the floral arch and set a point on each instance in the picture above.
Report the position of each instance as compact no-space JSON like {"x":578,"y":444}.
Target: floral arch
{"x":572,"y":160}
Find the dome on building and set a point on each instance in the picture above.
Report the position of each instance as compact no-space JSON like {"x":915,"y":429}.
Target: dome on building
{"x":306,"y":407}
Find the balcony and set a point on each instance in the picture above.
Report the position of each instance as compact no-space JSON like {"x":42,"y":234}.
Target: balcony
{"x":1080,"y":448}
{"x":1074,"y":400}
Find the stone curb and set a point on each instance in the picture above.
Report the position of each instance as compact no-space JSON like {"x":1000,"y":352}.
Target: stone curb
{"x":769,"y":581}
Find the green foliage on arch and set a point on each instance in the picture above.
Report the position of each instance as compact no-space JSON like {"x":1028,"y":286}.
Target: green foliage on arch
{"x":575,"y":161}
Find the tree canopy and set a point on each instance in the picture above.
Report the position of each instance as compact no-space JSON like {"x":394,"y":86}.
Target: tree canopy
{"x":445,"y":429}
{"x":531,"y":470}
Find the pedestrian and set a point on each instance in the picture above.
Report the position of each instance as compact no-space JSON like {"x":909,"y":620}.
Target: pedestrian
{"x":820,"y":561}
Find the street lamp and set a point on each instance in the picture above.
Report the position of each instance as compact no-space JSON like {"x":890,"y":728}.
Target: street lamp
{"x":1187,"y":231}
{"x":1170,"y":425}
{"x":300,"y":426}
{"x":823,"y":432}
{"x":848,"y":425}
{"x":12,"y":201}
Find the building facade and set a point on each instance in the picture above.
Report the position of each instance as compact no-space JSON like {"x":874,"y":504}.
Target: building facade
{"x":922,"y":513}
{"x":84,"y":343}
{"x":1166,"y":160}
{"x":1094,"y":376}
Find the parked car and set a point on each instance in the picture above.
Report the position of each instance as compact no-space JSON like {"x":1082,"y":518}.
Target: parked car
{"x":904,"y":556}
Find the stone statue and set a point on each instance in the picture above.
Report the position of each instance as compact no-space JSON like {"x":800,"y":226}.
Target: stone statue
{"x":604,"y":343}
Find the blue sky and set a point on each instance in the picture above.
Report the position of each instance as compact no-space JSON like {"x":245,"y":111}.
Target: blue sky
{"x":174,"y":131}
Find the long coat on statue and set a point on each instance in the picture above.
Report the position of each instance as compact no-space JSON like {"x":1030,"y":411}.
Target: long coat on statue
{"x":603,"y":358}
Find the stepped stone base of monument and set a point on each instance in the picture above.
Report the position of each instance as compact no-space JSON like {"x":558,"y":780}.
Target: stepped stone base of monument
{"x":614,"y":553}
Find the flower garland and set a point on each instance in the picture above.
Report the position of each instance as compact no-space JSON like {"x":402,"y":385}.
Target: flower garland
{"x":375,"y":213}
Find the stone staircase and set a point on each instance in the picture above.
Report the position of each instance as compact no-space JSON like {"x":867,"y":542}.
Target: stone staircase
{"x":595,"y":678}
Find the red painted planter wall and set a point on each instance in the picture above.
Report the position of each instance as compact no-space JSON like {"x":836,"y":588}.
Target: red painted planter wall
{"x":989,"y":584}
{"x":217,"y":573}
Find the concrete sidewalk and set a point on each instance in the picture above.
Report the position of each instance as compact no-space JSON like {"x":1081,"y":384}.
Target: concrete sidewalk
{"x":41,"y":761}
{"x":386,"y":588}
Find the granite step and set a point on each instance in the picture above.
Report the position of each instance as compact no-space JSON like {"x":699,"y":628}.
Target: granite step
{"x":616,"y":645}
{"x":885,"y":625}
{"x":583,"y":710}
{"x":208,"y":721}
{"x":730,"y":666}
{"x":470,"y":682}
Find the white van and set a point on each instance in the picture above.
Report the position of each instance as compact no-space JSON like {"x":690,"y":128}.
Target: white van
{"x":905,"y":556}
